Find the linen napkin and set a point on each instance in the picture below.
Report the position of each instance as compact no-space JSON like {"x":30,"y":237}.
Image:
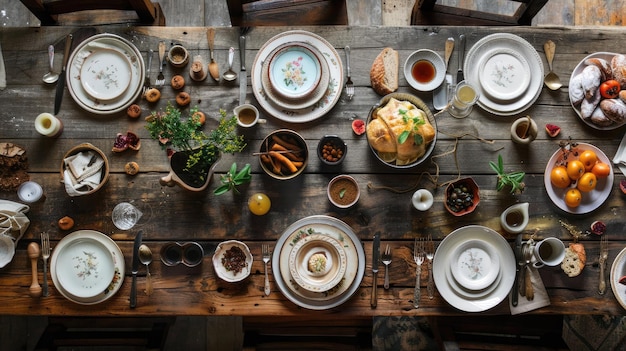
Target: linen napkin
{"x":541,"y":298}
{"x":13,"y":224}
{"x":620,"y":156}
{"x":82,"y":172}
{"x":3,"y":72}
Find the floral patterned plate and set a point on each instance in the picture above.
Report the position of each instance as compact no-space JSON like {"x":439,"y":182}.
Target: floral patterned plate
{"x":317,"y":262}
{"x":475,"y":264}
{"x":295,"y":71}
{"x":332,"y":92}
{"x":465,"y":300}
{"x":87,"y":267}
{"x":504,"y":74}
{"x":105,"y":74}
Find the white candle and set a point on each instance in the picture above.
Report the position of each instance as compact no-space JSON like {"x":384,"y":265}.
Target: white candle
{"x":30,"y":192}
{"x":422,"y":199}
{"x":48,"y":125}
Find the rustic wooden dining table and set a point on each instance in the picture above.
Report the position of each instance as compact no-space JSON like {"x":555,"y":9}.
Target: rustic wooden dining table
{"x":463,"y":149}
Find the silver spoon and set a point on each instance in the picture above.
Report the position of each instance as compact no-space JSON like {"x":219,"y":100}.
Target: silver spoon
{"x":51,"y":76}
{"x":230,"y":74}
{"x":145,"y":256}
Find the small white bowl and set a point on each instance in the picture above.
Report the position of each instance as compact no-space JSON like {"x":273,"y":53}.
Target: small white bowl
{"x":436,"y":62}
{"x":229,"y":275}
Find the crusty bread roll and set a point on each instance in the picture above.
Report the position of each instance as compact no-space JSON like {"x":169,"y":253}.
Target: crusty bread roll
{"x":614,"y":109}
{"x":618,"y":66}
{"x":622,"y":95}
{"x":384,"y":72}
{"x":603,"y":65}
{"x":599,"y":118}
{"x":576,"y":91}
{"x":592,"y":78}
{"x":575,"y":260}
{"x":589,"y":105}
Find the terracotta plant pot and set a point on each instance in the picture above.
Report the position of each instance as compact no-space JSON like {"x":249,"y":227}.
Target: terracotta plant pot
{"x":186,"y":180}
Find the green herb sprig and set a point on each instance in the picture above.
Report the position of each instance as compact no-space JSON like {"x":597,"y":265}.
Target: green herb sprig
{"x":231,"y":179}
{"x":513,"y":179}
{"x":417,"y":121}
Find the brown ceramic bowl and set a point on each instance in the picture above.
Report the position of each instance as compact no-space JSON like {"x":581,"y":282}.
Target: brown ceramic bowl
{"x":343,"y":191}
{"x":462,"y":197}
{"x":87,"y":147}
{"x":338,"y":147}
{"x":279,"y":141}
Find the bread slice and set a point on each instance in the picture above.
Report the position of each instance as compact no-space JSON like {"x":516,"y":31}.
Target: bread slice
{"x":384,"y":72}
{"x":575,"y":260}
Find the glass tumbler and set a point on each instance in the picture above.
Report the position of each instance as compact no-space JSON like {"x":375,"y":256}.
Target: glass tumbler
{"x":464,"y":98}
{"x":125,"y":215}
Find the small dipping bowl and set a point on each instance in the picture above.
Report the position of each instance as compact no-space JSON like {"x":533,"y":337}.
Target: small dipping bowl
{"x":190,"y":254}
{"x":178,"y":56}
{"x":331,"y":150}
{"x":343,"y":191}
{"x":424,"y":70}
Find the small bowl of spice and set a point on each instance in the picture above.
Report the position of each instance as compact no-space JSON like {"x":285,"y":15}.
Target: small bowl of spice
{"x":232,"y":261}
{"x":462,"y":197}
{"x":178,"y":56}
{"x":331,"y":150}
{"x":343,"y":191}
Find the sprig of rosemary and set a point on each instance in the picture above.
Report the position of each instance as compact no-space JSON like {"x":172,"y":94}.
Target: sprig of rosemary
{"x":513,"y":179}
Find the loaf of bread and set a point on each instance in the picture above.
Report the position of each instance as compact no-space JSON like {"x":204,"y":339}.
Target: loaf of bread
{"x":575,"y":260}
{"x":384,"y":72}
{"x":614,"y":109}
{"x":618,"y":66}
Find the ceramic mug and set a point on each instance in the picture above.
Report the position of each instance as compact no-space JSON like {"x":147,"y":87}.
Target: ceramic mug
{"x":548,"y":252}
{"x":247,"y":115}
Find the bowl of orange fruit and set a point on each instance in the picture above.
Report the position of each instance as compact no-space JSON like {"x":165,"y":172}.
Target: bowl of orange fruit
{"x":578,"y":177}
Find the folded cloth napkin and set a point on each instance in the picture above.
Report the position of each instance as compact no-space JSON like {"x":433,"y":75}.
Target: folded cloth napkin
{"x":13,"y":224}
{"x":3,"y":72}
{"x":620,"y":156}
{"x":541,"y":298}
{"x":82,"y":172}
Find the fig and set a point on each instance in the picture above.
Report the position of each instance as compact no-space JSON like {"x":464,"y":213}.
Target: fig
{"x":358,"y":127}
{"x":553,"y":130}
{"x":622,"y":185}
{"x":622,"y":280}
{"x":598,"y":228}
{"x":123,"y":142}
{"x":66,"y":223}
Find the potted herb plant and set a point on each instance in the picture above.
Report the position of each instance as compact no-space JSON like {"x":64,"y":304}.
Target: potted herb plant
{"x":195,"y":152}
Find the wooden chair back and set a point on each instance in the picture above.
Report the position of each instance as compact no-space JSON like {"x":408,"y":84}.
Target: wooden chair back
{"x":247,"y":13}
{"x":428,"y":12}
{"x":94,"y":12}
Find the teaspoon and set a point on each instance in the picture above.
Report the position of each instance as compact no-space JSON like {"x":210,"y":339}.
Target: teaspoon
{"x":145,"y":256}
{"x":51,"y":76}
{"x":551,"y":80}
{"x":230,"y":74}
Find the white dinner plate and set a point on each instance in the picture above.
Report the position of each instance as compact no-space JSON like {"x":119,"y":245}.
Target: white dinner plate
{"x":472,"y":294}
{"x":68,"y":248}
{"x":105,"y":74}
{"x":109,"y":43}
{"x":332,"y":92}
{"x":618,"y":270}
{"x":441,"y":263}
{"x":355,"y":262}
{"x":504,"y":74}
{"x":590,"y":200}
{"x":517,"y":48}
{"x":475,"y":264}
{"x":330,"y":274}
{"x":577,"y":70}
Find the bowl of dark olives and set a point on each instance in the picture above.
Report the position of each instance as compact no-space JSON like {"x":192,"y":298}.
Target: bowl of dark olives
{"x":462,"y":197}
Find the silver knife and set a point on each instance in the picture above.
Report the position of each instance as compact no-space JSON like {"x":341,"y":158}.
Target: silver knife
{"x":440,"y":95}
{"x":461,"y":52}
{"x":243,"y":75}
{"x":518,"y":267}
{"x":135,"y":270}
{"x":375,"y":262}
{"x":61,"y":84}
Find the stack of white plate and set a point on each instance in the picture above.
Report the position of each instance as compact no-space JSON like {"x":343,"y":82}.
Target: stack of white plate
{"x":474,"y":268}
{"x":335,"y":281}
{"x":297,"y":76}
{"x":87,"y":267}
{"x":105,"y":74}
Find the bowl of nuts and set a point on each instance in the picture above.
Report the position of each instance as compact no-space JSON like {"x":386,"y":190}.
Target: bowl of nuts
{"x":232,"y":260}
{"x":462,"y":197}
{"x":331,"y":150}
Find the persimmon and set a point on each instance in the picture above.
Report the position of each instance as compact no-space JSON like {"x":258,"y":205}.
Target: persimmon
{"x":575,"y":169}
{"x":587,"y":182}
{"x":559,"y":177}
{"x":588,"y":158}
{"x":573,"y":197}
{"x":601,"y":169}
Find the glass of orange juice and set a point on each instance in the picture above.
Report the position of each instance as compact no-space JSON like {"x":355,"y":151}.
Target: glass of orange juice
{"x":463,"y":100}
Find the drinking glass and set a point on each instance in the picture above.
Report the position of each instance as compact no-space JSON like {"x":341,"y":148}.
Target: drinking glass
{"x":125,"y":215}
{"x":464,"y":98}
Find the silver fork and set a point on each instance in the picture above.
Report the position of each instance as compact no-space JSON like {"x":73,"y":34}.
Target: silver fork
{"x":146,"y":81}
{"x":604,"y":254}
{"x":45,"y":254}
{"x":349,"y":84}
{"x":418,"y":256}
{"x":386,"y":259}
{"x":161,"y":78}
{"x":266,"y":258}
{"x":430,"y":254}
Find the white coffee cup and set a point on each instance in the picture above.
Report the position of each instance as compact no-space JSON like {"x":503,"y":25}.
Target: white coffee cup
{"x":548,"y":252}
{"x":247,"y":115}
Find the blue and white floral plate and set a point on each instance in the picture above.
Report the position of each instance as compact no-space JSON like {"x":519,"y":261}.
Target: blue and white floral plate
{"x":331,"y":92}
{"x":466,"y":299}
{"x":87,"y":267}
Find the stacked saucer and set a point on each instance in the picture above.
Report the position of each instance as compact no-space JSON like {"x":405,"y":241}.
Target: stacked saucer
{"x":87,"y":267}
{"x":474,"y":268}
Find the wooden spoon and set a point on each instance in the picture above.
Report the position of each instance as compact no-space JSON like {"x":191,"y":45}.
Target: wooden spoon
{"x":214,"y":69}
{"x":33,"y":253}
